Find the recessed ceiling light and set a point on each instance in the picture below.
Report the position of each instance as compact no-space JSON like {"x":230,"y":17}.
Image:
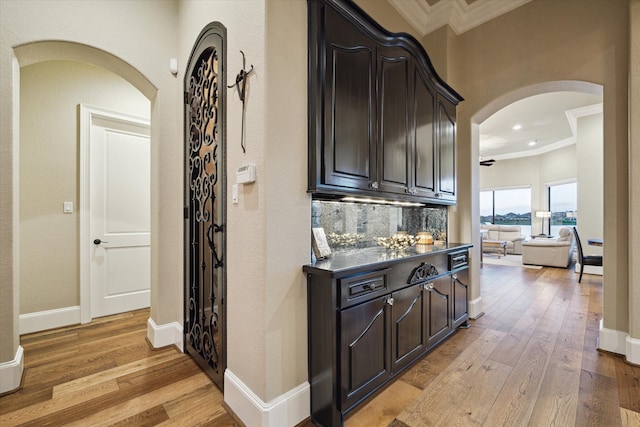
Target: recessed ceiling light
{"x":532,"y":143}
{"x":517,"y":127}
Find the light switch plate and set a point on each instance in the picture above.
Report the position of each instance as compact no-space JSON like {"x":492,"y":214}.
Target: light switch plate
{"x":67,"y":207}
{"x":234,"y":194}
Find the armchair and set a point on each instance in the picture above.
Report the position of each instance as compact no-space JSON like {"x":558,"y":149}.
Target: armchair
{"x":556,"y":252}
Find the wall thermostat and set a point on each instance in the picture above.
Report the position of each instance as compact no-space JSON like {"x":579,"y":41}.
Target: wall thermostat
{"x":246,"y":174}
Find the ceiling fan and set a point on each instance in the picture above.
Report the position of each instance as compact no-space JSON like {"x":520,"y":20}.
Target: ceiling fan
{"x":487,"y":162}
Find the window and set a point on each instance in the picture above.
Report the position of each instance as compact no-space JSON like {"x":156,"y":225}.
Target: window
{"x":509,"y":207}
{"x":563,"y":204}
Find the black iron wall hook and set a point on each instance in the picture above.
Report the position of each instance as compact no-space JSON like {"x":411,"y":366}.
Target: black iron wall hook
{"x":241,"y":78}
{"x":241,"y":83}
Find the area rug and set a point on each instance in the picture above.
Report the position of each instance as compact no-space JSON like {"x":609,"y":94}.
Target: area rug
{"x":509,"y":260}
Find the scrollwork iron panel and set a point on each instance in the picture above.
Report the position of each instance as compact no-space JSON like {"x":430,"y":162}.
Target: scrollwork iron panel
{"x":205,"y":199}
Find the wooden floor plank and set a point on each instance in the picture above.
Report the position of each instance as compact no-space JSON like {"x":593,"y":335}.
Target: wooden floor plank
{"x":111,"y":374}
{"x":597,"y":401}
{"x":53,"y":405}
{"x":143,"y":402}
{"x":628,"y":378}
{"x":558,"y":398}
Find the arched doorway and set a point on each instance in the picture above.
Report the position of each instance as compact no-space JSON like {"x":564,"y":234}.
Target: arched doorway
{"x":490,"y":109}
{"x":103,"y":69}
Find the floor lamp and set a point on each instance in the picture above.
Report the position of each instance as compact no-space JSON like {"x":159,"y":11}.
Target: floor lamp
{"x":543,"y":215}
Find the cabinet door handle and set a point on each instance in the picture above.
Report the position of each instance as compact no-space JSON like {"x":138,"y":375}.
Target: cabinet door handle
{"x":390,"y":300}
{"x":411,"y":190}
{"x":428,"y":286}
{"x":374,"y":185}
{"x":455,"y":277}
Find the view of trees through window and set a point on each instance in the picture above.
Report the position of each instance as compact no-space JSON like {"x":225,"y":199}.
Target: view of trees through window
{"x":509,"y":207}
{"x":563,"y":204}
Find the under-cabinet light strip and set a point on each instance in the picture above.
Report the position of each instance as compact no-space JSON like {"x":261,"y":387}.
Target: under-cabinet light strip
{"x":379,"y":201}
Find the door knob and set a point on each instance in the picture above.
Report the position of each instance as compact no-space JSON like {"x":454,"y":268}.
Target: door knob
{"x":98,"y":241}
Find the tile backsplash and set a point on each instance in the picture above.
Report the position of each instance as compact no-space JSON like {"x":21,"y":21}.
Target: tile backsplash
{"x":356,"y":225}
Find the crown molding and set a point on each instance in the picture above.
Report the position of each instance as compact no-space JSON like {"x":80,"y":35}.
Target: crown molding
{"x":459,"y":15}
{"x":572,"y":117}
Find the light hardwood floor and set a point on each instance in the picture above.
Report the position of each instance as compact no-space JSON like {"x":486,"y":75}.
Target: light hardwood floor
{"x":530,"y":360}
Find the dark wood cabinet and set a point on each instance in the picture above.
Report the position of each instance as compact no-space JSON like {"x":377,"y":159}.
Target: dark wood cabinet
{"x":394,"y":155}
{"x":408,"y":311}
{"x":446,"y":148}
{"x":439,"y":320}
{"x":348,"y":155}
{"x":370,"y":319}
{"x":381,"y":121}
{"x":364,"y":348}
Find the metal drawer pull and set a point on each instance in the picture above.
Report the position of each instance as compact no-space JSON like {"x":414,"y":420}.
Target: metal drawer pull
{"x":390,"y":301}
{"x":369,"y":286}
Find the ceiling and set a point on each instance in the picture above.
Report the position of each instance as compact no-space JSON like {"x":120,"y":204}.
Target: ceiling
{"x":548,"y":122}
{"x":427,"y":16}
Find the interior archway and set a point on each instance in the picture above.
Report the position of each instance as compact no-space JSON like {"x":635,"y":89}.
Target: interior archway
{"x":488,"y":110}
{"x":46,"y":51}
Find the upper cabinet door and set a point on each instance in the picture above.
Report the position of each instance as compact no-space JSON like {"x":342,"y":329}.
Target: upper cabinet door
{"x":447,"y":147}
{"x":424,"y":154}
{"x":393,"y":125}
{"x":350,"y":109}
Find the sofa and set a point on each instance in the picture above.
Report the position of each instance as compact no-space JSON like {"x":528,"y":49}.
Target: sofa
{"x":509,"y":233}
{"x":551,"y":252}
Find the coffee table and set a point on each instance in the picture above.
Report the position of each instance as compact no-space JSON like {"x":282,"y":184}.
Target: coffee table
{"x":500,"y":245}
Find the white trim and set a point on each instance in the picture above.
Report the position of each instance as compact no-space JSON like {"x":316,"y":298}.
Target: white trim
{"x":164,"y":335}
{"x":633,"y":350}
{"x":589,"y":269}
{"x":49,"y":319}
{"x":458,"y":14}
{"x":11,"y":372}
{"x":288,"y":409}
{"x":475,"y":308}
{"x":612,"y":340}
{"x":87,"y":115}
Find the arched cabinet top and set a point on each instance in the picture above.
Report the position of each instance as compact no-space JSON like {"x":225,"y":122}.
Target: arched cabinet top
{"x":322,"y":24}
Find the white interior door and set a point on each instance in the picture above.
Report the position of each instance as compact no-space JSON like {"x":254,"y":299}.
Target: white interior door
{"x":119,"y":214}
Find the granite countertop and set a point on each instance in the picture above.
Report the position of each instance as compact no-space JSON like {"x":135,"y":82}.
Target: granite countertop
{"x":377,"y":257}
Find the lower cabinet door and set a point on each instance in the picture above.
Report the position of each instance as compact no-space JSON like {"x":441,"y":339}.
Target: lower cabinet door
{"x":460,"y":283}
{"x":364,"y":353}
{"x":440,"y":318}
{"x":408,"y":333}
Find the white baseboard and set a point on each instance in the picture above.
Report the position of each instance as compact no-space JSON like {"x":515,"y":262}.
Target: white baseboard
{"x":288,"y":409}
{"x":164,"y":335}
{"x":49,"y":319}
{"x":612,"y":340}
{"x":633,"y":350}
{"x":475,"y":308}
{"x":590,"y":269}
{"x":11,"y":372}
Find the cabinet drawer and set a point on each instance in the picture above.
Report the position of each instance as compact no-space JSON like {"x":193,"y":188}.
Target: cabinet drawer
{"x":362,"y":287}
{"x":458,"y":260}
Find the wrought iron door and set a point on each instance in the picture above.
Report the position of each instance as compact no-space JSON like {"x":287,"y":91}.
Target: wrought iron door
{"x":205,"y":203}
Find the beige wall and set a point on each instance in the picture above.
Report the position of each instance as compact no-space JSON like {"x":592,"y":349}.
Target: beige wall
{"x":634,"y":172}
{"x":269,"y":230}
{"x":590,"y":181}
{"x":49,"y":96}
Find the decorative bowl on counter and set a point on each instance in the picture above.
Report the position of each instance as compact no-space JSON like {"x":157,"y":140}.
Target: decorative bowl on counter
{"x":398,"y":242}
